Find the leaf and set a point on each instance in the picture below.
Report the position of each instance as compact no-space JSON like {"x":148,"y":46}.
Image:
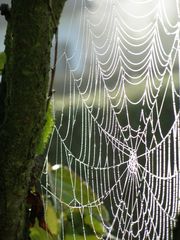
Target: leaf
{"x":51,"y":219}
{"x":2,"y":60}
{"x":46,"y":132}
{"x":37,"y":233}
{"x":90,"y":225}
{"x":77,"y":226}
{"x":94,"y":224}
{"x":69,"y":186}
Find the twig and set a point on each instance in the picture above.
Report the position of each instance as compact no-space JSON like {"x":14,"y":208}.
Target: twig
{"x":53,"y":69}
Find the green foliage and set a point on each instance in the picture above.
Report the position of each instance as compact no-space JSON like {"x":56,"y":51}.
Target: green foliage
{"x":52,"y":220}
{"x":2,"y":61}
{"x":69,"y":221}
{"x":46,"y":132}
{"x":37,"y":233}
{"x":98,"y":226}
{"x":83,"y":223}
{"x":69,"y":186}
{"x":78,"y":220}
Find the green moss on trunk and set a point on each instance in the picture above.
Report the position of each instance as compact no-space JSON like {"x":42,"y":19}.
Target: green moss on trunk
{"x":26,"y":76}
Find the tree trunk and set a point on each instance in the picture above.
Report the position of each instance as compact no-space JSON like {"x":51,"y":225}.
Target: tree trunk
{"x":31,"y":26}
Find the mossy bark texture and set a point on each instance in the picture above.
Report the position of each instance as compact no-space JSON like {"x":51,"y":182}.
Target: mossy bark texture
{"x":25,"y":84}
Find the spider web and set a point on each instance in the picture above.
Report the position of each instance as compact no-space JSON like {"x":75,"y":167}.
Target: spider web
{"x":118,"y":125}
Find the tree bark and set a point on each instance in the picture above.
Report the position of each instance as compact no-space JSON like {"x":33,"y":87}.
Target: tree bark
{"x":31,"y":27}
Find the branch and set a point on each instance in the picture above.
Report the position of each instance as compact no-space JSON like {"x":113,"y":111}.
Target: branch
{"x":26,"y":77}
